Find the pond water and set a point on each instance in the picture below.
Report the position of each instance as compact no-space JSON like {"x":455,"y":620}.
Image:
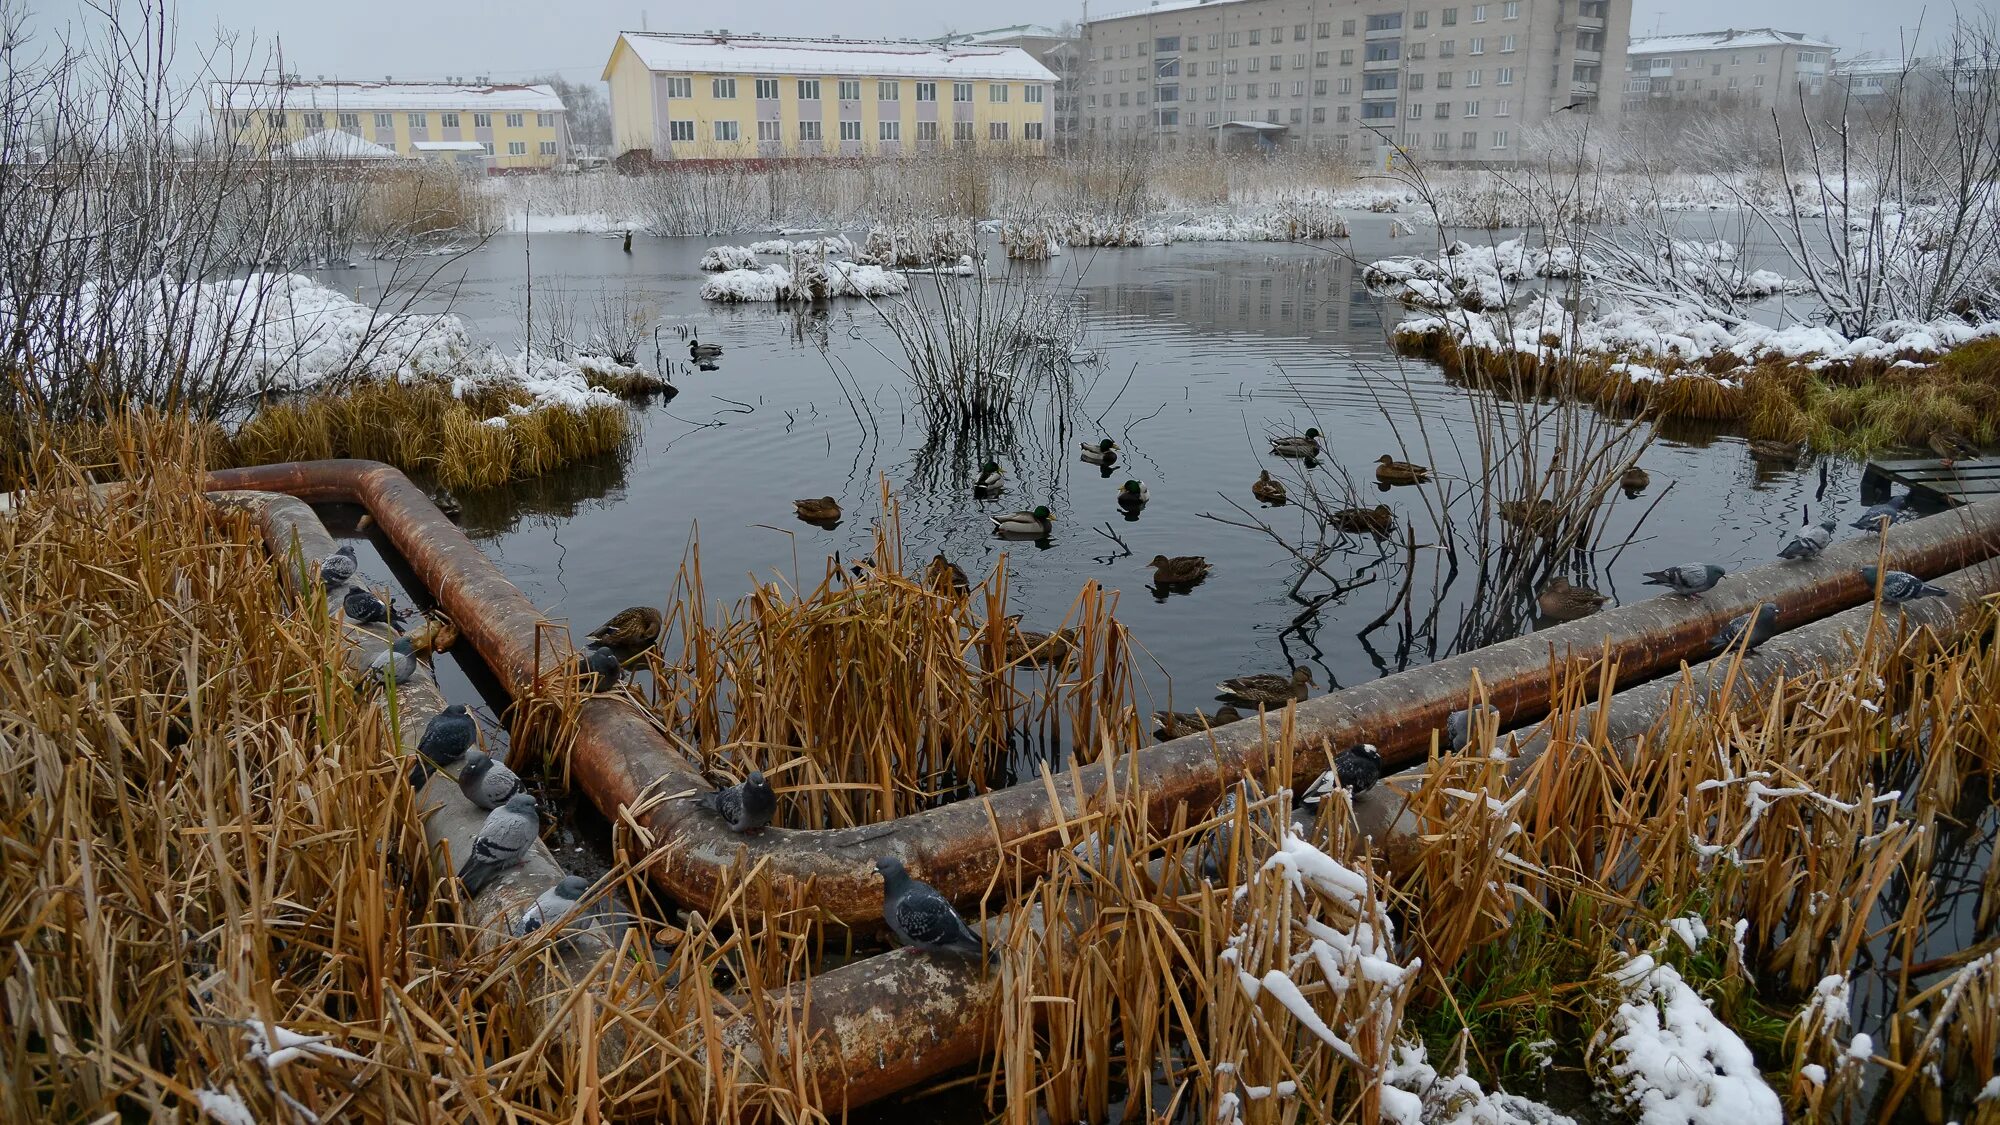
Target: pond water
{"x":1202,"y":350}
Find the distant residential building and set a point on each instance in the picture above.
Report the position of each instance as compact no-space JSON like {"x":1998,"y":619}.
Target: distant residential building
{"x":1058,"y":48}
{"x":506,"y":127}
{"x":1871,"y":81}
{"x":720,"y":96}
{"x":1734,"y":68}
{"x":1450,"y":83}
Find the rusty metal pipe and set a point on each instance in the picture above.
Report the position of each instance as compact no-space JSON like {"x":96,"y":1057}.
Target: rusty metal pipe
{"x":620,"y":759}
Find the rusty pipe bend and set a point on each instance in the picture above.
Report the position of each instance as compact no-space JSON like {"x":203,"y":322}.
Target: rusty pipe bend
{"x":620,"y":759}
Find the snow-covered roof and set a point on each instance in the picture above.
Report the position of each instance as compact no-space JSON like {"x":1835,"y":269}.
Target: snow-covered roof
{"x":447,"y":146}
{"x":365,"y":96}
{"x":1163,"y":6}
{"x":1733,"y":38}
{"x":1002,"y":34}
{"x":1260,"y":126}
{"x":332,"y":144}
{"x":761,"y":54}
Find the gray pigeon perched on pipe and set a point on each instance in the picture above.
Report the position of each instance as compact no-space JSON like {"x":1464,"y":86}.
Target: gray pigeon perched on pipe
{"x":485,"y":782}
{"x":604,"y":667}
{"x":395,"y":664}
{"x":554,"y":904}
{"x":1807,"y":542}
{"x":1688,"y":580}
{"x":1892,"y":510}
{"x":1458,"y":727}
{"x":1215,"y":847}
{"x":363,"y":608}
{"x":449,"y":734}
{"x":1762,"y":624}
{"x":921,"y":917}
{"x":744,"y":807}
{"x":502,"y":843}
{"x":338,"y":567}
{"x":1900,"y":586}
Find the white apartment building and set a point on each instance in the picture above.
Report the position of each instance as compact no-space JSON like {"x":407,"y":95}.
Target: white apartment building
{"x":1752,"y":68}
{"x":1450,"y":82}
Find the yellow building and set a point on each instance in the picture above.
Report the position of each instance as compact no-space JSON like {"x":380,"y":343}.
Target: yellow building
{"x":714,"y":97}
{"x":504,"y":127}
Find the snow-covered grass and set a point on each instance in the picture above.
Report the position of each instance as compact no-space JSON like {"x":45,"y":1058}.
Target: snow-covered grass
{"x":809,"y":277}
{"x":1670,"y":1061}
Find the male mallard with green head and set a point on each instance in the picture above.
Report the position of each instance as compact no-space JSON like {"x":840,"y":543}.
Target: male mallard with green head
{"x":1132,"y":496}
{"x":1561,"y":600}
{"x":1266,"y":689}
{"x":1297,"y":445}
{"x":1268,"y":491}
{"x":1388,"y":470}
{"x":992,"y":478}
{"x":823,"y":510}
{"x":1181,"y":570}
{"x":1103,"y":453}
{"x":1035,"y":523}
{"x":699,"y":351}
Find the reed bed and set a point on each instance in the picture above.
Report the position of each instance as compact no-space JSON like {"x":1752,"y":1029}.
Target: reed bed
{"x":874,"y":695}
{"x":420,"y":425}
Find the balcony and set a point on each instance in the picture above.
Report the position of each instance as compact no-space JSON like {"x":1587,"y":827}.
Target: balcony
{"x":1380,"y":95}
{"x":1381,"y":64}
{"x":1583,"y":89}
{"x":1380,"y":34}
{"x":1585,"y":55}
{"x":1590,"y":23}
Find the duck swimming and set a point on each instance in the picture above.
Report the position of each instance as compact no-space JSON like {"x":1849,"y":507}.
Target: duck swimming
{"x":1300,"y":445}
{"x":1035,"y":523}
{"x":823,"y":510}
{"x":1388,"y":470}
{"x":699,"y":351}
{"x":1181,"y":570}
{"x":1103,"y":453}
{"x":1268,"y":491}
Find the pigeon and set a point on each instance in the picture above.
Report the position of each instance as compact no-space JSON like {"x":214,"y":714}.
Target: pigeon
{"x":395,"y":664}
{"x":1807,"y":542}
{"x":1359,"y":768}
{"x":449,"y":734}
{"x":1458,"y":727}
{"x":1305,"y":807}
{"x":485,"y":782}
{"x":746,"y":807}
{"x":503,"y":841}
{"x":338,"y":567}
{"x":1892,"y":510}
{"x":554,"y":904}
{"x":364,"y":608}
{"x":921,"y":917}
{"x":1762,"y":624}
{"x":603,"y":666}
{"x":1688,"y":580}
{"x":1899,"y":586}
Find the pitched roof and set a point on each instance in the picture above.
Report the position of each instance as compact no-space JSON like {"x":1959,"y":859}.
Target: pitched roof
{"x":332,"y":144}
{"x":363,"y":96}
{"x":1001,"y":34}
{"x":1162,"y":6}
{"x":771,"y":54}
{"x":1726,"y":39}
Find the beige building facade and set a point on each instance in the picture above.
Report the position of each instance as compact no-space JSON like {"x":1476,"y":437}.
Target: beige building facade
{"x":1749,"y":68}
{"x":1454,"y":83}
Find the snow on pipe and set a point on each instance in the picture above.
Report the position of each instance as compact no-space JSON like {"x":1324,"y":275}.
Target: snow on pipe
{"x":623,"y":762}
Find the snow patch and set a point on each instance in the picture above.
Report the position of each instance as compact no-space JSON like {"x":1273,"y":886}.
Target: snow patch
{"x":1674,"y":1062}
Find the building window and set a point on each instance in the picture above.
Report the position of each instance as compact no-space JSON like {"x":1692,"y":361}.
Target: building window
{"x":1319,"y":87}
{"x":1503,"y":109}
{"x":1507,"y":44}
{"x":1416,"y":82}
{"x":1757,"y":81}
{"x":1340,"y":113}
{"x":889,"y":131}
{"x":1032,"y":131}
{"x":1390,"y":21}
{"x":850,"y":91}
{"x":517,"y":148}
{"x":888,"y":91}
{"x":996,"y":92}
{"x":1347,"y":57}
{"x":1448,"y":49}
{"x":482,"y":121}
{"x":1471,"y":109}
{"x":809,"y":131}
{"x":1444,"y":80}
{"x":726,"y":130}
{"x":1272,"y":90}
{"x":1417,"y":50}
{"x":1320,"y":58}
{"x":1441,"y":111}
{"x":1473,"y":78}
{"x":275,"y":120}
{"x":486,"y":147}
{"x":1421,"y":19}
{"x":1323,"y":30}
{"x":1440,"y":140}
{"x":850,"y":130}
{"x":1416,"y":112}
{"x":385,"y":121}
{"x":1346,"y":86}
{"x":1511,"y":10}
{"x":1761,"y":57}
{"x":543,"y":120}
{"x":1340,"y":143}
{"x":1500,"y":139}
{"x":1479,"y":13}
{"x":927,"y":130}
{"x":1476,"y":45}
{"x":996,"y":131}
{"x":548,"y":148}
{"x":1732,"y":81}
{"x":927,"y":92}
{"x":1298,"y":89}
{"x":313,"y":120}
{"x":961,"y":130}
{"x":1235,"y":37}
{"x":1298,"y":62}
{"x":448,"y":120}
{"x":1448,"y":17}
{"x":808,"y":89}
{"x":514,"y":119}
{"x":770,"y":130}
{"x":1377,"y":111}
{"x":679,"y":88}
{"x":1032,"y":94}
{"x":418,"y":121}
{"x":1346,"y":28}
{"x":1385,"y":51}
{"x":243,"y":121}
{"x":1166,"y":44}
{"x":722,"y":88}
{"x":1256,"y":63}
{"x":1504,"y":76}
{"x":1383,"y":81}
{"x":1214,"y":40}
{"x":961,"y":92}
{"x":767,"y":90}
{"x":350,"y":121}
{"x":1256,"y":36}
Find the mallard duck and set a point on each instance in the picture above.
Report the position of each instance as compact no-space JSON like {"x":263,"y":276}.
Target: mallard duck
{"x":1103,"y":453}
{"x":1563,"y":601}
{"x":1634,"y":480}
{"x":1181,"y":570}
{"x":944,"y":576}
{"x":1301,"y":445}
{"x":631,"y":630}
{"x":1025,"y":646}
{"x":1174,"y":724}
{"x":1388,"y":470}
{"x":1266,"y":689}
{"x":436,"y":634}
{"x":1529,"y":513}
{"x":1377,"y":521}
{"x":1035,"y":523}
{"x":992,"y":478}
{"x":1132,"y":496}
{"x":699,"y":351}
{"x":1952,"y":447}
{"x":1268,"y":491}
{"x":1785,"y":452}
{"x":823,"y":510}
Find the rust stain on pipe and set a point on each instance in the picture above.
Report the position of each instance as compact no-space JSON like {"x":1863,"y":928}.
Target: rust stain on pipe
{"x":620,"y":757}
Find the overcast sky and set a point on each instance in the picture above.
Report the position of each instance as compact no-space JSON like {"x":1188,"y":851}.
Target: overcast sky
{"x":512,"y":39}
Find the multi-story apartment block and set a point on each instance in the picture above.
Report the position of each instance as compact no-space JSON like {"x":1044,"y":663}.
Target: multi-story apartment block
{"x":1454,"y":82}
{"x":1749,"y":68}
{"x":1058,"y":48}
{"x":504,"y":127}
{"x":722,"y":96}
